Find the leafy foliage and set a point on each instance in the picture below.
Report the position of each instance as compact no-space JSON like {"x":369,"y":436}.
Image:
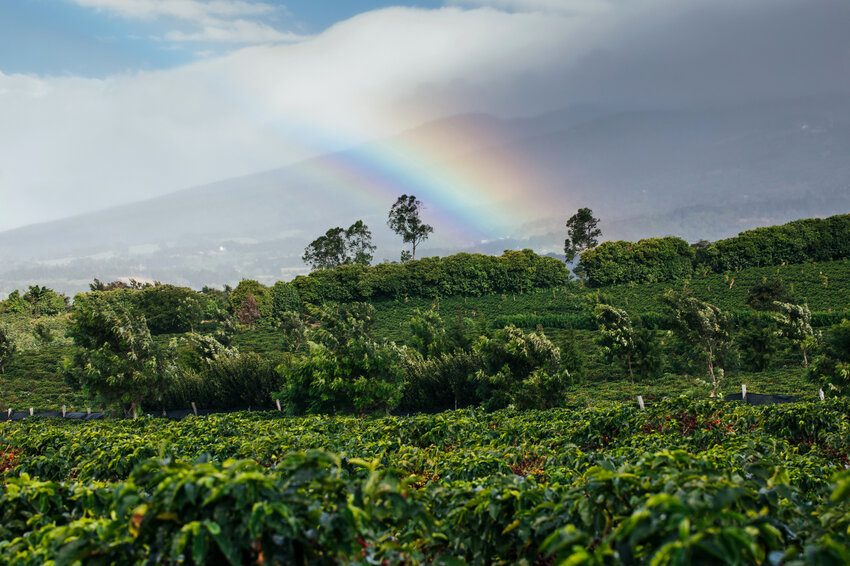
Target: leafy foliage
{"x":117,"y":359}
{"x":831,"y":369}
{"x":582,"y":233}
{"x":7,"y":345}
{"x":704,"y":326}
{"x":405,"y":221}
{"x":341,"y":246}
{"x":679,"y":482}
{"x":520,"y":369}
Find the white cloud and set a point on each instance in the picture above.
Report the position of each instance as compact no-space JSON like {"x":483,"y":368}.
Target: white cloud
{"x":181,"y":9}
{"x":226,"y":21}
{"x":238,"y":31}
{"x":69,"y":145}
{"x":72,"y":144}
{"x":568,"y":7}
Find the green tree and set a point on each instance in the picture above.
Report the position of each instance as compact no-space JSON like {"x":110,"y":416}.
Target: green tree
{"x":44,"y":301}
{"x":404,"y":220}
{"x":705,"y":327}
{"x":344,"y":368}
{"x":759,"y":341}
{"x":617,"y":336}
{"x":260,"y":292}
{"x":427,"y":333}
{"x":582,"y":233}
{"x":14,"y":303}
{"x":7,"y":345}
{"x":117,"y":359}
{"x":43,"y":333}
{"x":831,"y":369}
{"x":523,"y":369}
{"x":191,"y":311}
{"x":795,"y":325}
{"x":284,"y":299}
{"x":351,"y":246}
{"x":765,"y":295}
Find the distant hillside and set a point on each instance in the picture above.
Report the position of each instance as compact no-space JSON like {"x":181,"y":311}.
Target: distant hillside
{"x":703,"y":173}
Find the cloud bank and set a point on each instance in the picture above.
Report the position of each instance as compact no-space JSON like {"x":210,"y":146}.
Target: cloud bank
{"x":70,"y":145}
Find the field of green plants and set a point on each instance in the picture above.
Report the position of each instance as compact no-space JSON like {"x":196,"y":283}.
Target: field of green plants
{"x":681,"y":482}
{"x":824,"y":286}
{"x":32,"y":377}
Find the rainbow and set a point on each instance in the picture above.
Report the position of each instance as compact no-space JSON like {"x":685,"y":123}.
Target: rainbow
{"x":466,"y":193}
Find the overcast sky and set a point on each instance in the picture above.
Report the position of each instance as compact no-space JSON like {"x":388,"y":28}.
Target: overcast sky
{"x":108,"y":101}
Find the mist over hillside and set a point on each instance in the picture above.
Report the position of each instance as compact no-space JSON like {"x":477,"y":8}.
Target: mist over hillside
{"x":698,"y":172}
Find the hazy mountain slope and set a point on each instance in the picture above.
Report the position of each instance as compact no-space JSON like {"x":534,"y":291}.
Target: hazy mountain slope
{"x":697,"y":173}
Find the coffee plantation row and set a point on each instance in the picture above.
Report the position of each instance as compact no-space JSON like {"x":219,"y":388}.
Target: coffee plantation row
{"x":681,"y":482}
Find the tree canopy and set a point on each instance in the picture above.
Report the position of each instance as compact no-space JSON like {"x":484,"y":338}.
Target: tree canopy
{"x":404,"y":220}
{"x":338,"y":246}
{"x":582,"y":233}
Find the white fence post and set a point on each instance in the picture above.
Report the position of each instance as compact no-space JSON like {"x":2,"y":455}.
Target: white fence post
{"x":63,"y":411}
{"x":821,"y":395}
{"x":277,"y":401}
{"x":744,"y":392}
{"x":640,"y":402}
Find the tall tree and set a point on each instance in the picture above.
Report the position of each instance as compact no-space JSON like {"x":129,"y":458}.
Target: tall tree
{"x":341,"y":247}
{"x":617,"y":336}
{"x":582,"y":233}
{"x":704,"y":326}
{"x":7,"y":345}
{"x":795,"y":324}
{"x":117,"y":358}
{"x":404,"y":220}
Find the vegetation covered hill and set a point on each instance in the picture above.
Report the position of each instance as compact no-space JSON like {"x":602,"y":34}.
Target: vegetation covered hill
{"x":438,"y":334}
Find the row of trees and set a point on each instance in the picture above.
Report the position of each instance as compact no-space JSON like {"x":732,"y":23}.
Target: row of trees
{"x":331,"y":360}
{"x":353,"y":246}
{"x":669,"y":259}
{"x":714,"y":340}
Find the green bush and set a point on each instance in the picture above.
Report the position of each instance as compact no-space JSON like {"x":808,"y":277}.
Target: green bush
{"x":460,"y":274}
{"x":645,"y":261}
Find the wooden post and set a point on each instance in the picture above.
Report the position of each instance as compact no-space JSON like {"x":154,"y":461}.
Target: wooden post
{"x":744,"y":392}
{"x":63,"y":411}
{"x":194,"y":409}
{"x":30,"y":411}
{"x":10,"y":412}
{"x":640,"y":402}
{"x":821,"y":395}
{"x":88,"y":411}
{"x":277,"y":402}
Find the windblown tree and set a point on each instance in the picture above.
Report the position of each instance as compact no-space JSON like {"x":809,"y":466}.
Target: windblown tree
{"x":582,"y":233}
{"x":831,"y":369}
{"x":617,"y":335}
{"x":117,"y":359}
{"x":352,"y":246}
{"x":795,"y":324}
{"x":7,"y":345}
{"x":636,"y":346}
{"x":404,"y":220}
{"x":704,"y":326}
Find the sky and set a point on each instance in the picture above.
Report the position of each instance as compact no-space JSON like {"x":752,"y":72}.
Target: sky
{"x":104,"y":102}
